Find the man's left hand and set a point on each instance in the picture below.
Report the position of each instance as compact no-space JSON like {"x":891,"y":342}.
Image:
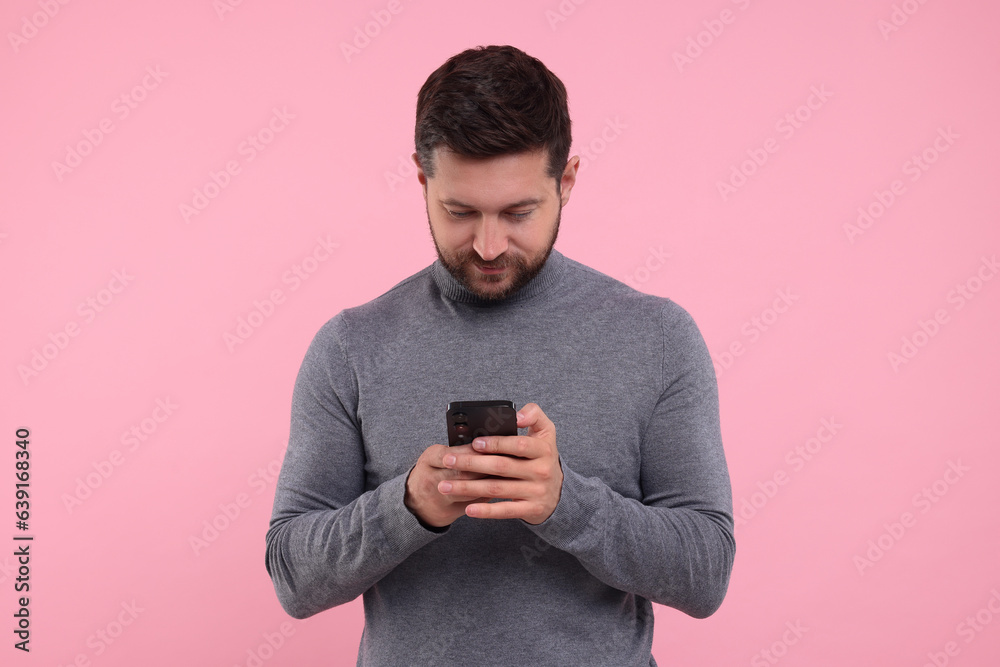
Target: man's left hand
{"x":531,"y":477}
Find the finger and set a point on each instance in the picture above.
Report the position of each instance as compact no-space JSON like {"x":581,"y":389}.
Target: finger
{"x":480,"y":465}
{"x":459,"y":500}
{"x":537,"y":422}
{"x":511,"y":509}
{"x":464,"y":474}
{"x":522,"y":446}
{"x":436,"y":454}
{"x":489,"y":487}
{"x":457,"y":496}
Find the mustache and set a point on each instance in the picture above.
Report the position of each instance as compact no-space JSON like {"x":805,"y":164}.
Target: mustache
{"x":495,"y":264}
{"x":504,"y":261}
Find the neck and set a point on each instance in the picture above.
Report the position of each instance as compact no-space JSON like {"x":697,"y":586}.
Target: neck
{"x":547,"y":278}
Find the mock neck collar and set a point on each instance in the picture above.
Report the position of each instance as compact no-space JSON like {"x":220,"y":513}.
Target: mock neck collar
{"x":550,"y":275}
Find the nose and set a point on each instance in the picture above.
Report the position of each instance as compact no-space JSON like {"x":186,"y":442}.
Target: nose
{"x":491,"y":238}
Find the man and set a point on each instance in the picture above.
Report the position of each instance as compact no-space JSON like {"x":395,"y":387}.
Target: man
{"x":545,"y":548}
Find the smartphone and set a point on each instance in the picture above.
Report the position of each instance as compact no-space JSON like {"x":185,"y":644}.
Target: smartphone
{"x":468,"y":420}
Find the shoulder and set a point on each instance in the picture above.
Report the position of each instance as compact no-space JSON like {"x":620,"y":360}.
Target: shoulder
{"x":367,"y":320}
{"x":623,"y":298}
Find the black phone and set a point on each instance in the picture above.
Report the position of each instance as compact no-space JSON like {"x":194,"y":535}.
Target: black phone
{"x":468,"y":420}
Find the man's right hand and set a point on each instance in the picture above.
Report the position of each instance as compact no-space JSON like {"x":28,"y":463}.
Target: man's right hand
{"x":422,"y":496}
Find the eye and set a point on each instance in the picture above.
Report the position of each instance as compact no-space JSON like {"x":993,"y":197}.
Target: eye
{"x":519,"y":216}
{"x":460,"y":215}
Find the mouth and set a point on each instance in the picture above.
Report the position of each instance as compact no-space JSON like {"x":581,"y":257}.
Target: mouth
{"x":490,"y":270}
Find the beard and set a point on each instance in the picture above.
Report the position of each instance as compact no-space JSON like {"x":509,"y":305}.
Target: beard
{"x":520,"y":270}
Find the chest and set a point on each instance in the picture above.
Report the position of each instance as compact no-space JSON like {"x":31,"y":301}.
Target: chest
{"x":599,"y":395}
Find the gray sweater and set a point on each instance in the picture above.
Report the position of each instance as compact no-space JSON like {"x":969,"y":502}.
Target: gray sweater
{"x":645,"y":512}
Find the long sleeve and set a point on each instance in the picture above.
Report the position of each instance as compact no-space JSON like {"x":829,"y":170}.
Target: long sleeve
{"x":676,"y":547}
{"x":329,"y":538}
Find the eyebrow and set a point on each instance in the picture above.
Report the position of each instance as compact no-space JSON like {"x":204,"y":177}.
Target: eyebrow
{"x":531,"y":201}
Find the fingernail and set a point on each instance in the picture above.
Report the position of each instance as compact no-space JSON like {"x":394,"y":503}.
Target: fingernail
{"x":445,"y":487}
{"x":449,"y":460}
{"x":520,"y":415}
{"x":479,"y":444}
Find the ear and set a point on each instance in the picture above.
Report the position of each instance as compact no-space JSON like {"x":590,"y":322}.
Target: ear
{"x":568,"y":179}
{"x":421,"y":176}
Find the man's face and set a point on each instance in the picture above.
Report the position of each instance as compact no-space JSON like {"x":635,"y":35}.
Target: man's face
{"x":494,"y":220}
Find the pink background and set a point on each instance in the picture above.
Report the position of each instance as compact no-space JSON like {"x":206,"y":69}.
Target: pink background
{"x":874,"y":549}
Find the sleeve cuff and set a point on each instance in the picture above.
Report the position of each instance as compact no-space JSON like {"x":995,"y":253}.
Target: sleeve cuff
{"x":401,"y":527}
{"x":575,"y":522}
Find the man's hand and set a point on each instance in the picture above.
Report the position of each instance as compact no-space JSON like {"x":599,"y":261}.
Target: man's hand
{"x":422,"y":496}
{"x":532,"y":482}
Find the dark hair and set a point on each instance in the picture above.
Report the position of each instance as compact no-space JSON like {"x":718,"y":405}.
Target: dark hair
{"x":490,"y":101}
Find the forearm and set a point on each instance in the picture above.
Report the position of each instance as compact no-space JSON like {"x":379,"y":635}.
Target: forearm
{"x":322,"y":558}
{"x":676,"y":556}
